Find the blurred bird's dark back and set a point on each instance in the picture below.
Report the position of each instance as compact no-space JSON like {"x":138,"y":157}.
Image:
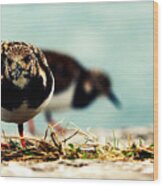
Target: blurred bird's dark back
{"x":65,"y":69}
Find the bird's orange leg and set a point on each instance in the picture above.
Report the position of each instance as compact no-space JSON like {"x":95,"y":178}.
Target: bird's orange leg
{"x":31,"y":127}
{"x":59,"y":129}
{"x":50,"y":120}
{"x":20,"y":129}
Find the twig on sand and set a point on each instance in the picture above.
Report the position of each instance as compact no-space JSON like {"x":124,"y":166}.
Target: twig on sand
{"x":71,"y":136}
{"x":56,"y":142}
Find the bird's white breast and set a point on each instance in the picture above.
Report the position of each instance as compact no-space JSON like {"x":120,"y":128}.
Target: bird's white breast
{"x":19,"y":115}
{"x":23,"y":113}
{"x":62,"y":101}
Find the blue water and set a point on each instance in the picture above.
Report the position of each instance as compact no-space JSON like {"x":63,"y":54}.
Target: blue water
{"x":115,"y":37}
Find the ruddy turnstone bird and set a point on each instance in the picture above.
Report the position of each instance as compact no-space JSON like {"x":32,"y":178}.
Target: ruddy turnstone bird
{"x":75,"y":86}
{"x":27,"y":83}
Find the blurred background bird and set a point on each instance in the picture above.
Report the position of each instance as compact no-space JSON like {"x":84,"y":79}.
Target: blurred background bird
{"x":89,"y":32}
{"x":27,"y":84}
{"x":75,"y":87}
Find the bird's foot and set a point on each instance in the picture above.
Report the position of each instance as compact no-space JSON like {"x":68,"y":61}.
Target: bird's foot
{"x":58,"y":128}
{"x":23,"y":143}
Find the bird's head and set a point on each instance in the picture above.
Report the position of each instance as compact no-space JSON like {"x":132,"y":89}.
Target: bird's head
{"x":19,"y":62}
{"x":99,"y":84}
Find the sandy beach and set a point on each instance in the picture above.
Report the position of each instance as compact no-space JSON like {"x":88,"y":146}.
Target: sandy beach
{"x":91,"y":168}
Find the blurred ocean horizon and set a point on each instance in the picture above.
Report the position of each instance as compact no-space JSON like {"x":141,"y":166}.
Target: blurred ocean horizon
{"x":114,"y":37}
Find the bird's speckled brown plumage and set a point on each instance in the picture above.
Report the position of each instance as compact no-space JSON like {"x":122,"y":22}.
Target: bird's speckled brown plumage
{"x":27,"y":83}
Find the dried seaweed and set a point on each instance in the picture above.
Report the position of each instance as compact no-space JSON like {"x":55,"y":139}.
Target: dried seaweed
{"x":51,"y":148}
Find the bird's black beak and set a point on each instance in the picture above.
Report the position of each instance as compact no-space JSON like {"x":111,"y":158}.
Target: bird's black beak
{"x":18,"y":71}
{"x":112,"y":97}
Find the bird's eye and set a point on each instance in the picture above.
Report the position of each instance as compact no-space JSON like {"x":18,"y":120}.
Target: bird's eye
{"x":27,"y":59}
